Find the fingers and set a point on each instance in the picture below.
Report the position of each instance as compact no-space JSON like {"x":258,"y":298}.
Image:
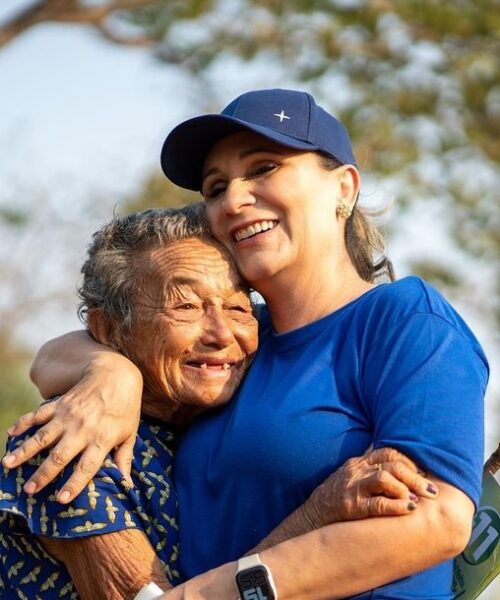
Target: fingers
{"x":122,"y":458}
{"x":384,"y":483}
{"x":379,"y":506}
{"x":404,"y":469}
{"x":386,"y":455}
{"x":415,"y":482}
{"x":87,"y":466}
{"x":58,"y":458}
{"x":43,"y":438}
{"x":39,"y":416}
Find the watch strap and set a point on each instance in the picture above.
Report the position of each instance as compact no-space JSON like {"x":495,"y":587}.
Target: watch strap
{"x":149,"y":592}
{"x":247,"y":562}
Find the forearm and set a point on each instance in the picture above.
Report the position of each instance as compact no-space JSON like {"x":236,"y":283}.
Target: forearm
{"x":114,"y":566}
{"x":301,"y":521}
{"x":347,"y":558}
{"x":380,"y":483}
{"x":62,"y":362}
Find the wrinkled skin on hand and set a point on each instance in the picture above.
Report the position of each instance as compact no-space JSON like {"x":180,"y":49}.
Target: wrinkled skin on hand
{"x":383,"y":482}
{"x":99,"y":414}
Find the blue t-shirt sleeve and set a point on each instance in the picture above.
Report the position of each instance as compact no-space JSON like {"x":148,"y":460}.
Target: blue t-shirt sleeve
{"x":424,"y":383}
{"x":104,"y":506}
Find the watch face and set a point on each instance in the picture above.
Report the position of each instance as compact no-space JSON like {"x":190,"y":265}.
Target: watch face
{"x":253,"y":584}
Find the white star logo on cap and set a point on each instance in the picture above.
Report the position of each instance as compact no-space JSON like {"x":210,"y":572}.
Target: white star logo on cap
{"x":281,"y":116}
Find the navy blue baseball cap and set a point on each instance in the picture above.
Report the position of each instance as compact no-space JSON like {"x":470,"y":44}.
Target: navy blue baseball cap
{"x":290,"y":118}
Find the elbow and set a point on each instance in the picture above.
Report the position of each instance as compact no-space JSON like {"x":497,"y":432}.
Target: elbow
{"x":451,"y":524}
{"x":458,"y":535}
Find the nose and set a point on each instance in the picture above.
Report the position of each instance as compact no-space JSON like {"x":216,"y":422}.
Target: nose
{"x":217,"y":331}
{"x":239,"y":193}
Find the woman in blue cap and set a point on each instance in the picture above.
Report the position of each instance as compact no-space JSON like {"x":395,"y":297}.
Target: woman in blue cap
{"x":343,"y":364}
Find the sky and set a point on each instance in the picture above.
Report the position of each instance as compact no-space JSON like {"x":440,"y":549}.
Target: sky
{"x":81,"y":125}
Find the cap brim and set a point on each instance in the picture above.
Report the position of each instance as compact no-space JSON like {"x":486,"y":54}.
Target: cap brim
{"x":187,"y":146}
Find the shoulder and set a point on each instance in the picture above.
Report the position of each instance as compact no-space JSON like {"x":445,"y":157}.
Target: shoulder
{"x":413,"y":305}
{"x":401,"y":299}
{"x":408,"y":295}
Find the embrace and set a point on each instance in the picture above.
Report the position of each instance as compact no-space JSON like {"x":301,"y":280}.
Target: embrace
{"x":301,"y":481}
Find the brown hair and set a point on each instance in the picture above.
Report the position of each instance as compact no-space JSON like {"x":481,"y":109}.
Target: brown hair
{"x":364,"y":242}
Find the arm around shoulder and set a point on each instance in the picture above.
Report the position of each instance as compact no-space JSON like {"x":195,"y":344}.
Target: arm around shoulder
{"x":61,"y":362}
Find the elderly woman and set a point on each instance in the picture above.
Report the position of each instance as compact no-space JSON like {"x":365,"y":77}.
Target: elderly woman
{"x":157,"y":288}
{"x":160,"y":290}
{"x":342,"y":364}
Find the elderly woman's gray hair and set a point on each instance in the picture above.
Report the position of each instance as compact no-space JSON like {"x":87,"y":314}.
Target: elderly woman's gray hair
{"x":109,"y":282}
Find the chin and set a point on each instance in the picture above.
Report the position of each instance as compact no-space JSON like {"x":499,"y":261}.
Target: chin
{"x":257,"y":272}
{"x":213,"y":399}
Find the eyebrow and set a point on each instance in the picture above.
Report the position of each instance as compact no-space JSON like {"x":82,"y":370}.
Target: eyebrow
{"x":243,"y":154}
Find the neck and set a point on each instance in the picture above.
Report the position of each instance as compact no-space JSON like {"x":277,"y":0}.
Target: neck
{"x":163,"y":409}
{"x":311,"y":296}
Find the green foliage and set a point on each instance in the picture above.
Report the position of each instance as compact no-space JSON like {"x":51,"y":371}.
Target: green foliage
{"x":157,"y":192}
{"x":436,"y":274}
{"x":13,"y":217}
{"x":17,"y":394}
{"x":419,"y":84}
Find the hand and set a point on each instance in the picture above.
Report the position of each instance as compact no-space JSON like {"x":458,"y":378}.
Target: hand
{"x":383,"y":482}
{"x":100,"y":413}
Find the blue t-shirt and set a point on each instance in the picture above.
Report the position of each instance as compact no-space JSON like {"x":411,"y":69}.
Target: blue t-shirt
{"x":104,"y":506}
{"x":396,"y":367}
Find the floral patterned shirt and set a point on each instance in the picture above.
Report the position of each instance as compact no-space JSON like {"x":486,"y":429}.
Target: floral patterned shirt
{"x":106,"y":505}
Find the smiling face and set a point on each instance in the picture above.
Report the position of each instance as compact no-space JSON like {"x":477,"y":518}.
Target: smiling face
{"x":193,"y":330}
{"x":274,"y":208}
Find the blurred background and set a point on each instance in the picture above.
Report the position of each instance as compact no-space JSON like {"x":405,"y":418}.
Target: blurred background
{"x":88,"y":90}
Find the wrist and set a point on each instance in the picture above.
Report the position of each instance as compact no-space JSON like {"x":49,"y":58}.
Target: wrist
{"x":311,"y":512}
{"x":254,"y":579}
{"x":109,"y":360}
{"x":149,"y":592}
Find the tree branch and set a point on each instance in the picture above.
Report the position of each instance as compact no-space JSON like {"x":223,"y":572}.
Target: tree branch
{"x":112,"y":36}
{"x":69,"y":11}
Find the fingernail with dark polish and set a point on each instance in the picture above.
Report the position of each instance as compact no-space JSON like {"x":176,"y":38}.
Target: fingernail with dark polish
{"x":413,"y":497}
{"x":411,"y":506}
{"x":431,"y":489}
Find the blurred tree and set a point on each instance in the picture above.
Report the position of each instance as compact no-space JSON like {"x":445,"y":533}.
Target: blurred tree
{"x":156,"y":192}
{"x":18,"y":394}
{"x":417,"y":83}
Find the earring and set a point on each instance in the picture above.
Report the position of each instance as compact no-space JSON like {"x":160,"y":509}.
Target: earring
{"x":344,"y":210}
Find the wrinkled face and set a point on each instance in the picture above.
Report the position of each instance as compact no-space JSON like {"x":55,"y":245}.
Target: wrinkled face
{"x":193,"y":332}
{"x":271,"y":206}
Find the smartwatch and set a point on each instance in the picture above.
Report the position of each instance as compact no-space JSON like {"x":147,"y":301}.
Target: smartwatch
{"x":254,"y":579}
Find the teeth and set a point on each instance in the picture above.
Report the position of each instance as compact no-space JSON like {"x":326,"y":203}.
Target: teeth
{"x":243,"y":234}
{"x":223,"y":367}
{"x":226,"y":366}
{"x":203,"y":366}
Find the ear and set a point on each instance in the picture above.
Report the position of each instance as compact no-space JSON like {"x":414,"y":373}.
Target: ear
{"x":349,"y":185}
{"x":102,"y":328}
